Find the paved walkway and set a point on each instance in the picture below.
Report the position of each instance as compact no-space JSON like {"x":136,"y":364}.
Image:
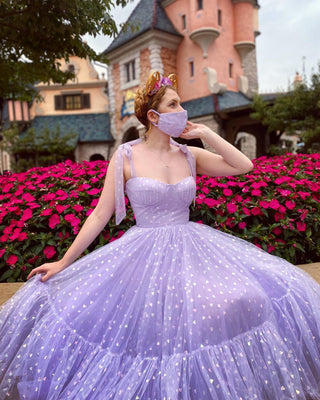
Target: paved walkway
{"x":8,"y":289}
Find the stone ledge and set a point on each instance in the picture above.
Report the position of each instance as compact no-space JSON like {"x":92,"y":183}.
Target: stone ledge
{"x":8,"y":289}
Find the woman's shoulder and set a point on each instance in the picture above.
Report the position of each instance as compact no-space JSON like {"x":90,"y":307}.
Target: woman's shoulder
{"x":196,"y":151}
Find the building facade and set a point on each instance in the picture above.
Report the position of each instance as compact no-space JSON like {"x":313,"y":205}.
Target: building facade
{"x":81,"y":107}
{"x":209,"y":44}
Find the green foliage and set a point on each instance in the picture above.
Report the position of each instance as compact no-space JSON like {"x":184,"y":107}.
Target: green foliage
{"x":34,"y":34}
{"x":28,"y":150}
{"x":297,"y":111}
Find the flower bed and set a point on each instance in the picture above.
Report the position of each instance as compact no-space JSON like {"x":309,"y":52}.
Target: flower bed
{"x":276,"y":207}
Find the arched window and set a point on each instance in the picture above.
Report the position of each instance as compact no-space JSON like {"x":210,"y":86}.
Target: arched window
{"x":191,"y":64}
{"x":131,"y":134}
{"x":97,"y":157}
{"x":200,"y":4}
{"x":184,"y":21}
{"x":71,"y":68}
{"x":219,"y":17}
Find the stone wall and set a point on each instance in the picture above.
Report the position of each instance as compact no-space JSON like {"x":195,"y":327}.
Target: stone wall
{"x":250,"y":70}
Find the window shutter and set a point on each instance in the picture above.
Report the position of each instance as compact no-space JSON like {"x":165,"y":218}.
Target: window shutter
{"x":86,"y":100}
{"x":58,"y":102}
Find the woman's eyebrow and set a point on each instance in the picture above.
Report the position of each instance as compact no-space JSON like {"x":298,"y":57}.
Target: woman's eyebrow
{"x":175,"y":99}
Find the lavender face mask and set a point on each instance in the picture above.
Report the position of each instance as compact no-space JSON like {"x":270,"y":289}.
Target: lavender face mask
{"x":172,"y":124}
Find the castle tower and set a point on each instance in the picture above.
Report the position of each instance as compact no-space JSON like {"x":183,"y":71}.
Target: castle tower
{"x":219,"y":40}
{"x":209,"y":44}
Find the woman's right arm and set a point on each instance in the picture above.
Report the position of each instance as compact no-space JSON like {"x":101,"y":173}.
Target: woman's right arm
{"x":94,"y":224}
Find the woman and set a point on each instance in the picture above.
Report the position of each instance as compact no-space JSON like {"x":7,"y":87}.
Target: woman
{"x":173,"y":309}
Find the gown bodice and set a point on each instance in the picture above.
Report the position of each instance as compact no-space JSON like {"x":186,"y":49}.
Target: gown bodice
{"x":156,"y":203}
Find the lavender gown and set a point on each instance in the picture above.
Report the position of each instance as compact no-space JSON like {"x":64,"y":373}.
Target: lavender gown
{"x":173,"y":310}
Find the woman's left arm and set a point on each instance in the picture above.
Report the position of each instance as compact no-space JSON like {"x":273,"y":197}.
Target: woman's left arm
{"x":228,"y":161}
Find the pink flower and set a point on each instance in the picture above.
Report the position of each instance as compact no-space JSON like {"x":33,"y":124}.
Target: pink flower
{"x":77,"y":207}
{"x":284,"y":192}
{"x":94,"y":202}
{"x":27,"y":197}
{"x":242,"y":225}
{"x":4,"y":238}
{"x":230,"y":222}
{"x":303,"y":195}
{"x":63,"y":236}
{"x":49,"y":251}
{"x":232,"y":208}
{"x":282,"y":179}
{"x":60,"y":208}
{"x":238,"y":198}
{"x":210,"y":202}
{"x":83,"y":187}
{"x":257,"y":185}
{"x":256,"y":192}
{"x":303,"y":215}
{"x":301,"y":226}
{"x":22,"y":236}
{"x":12,"y":260}
{"x":205,"y":190}
{"x":27,"y":214}
{"x":72,"y":219}
{"x":264,"y":204}
{"x":278,"y":216}
{"x":246,"y":211}
{"x":62,"y":195}
{"x":6,"y":188}
{"x":94,"y":191}
{"x":270,"y":249}
{"x":54,"y":221}
{"x":256,"y":211}
{"x":277,"y":230}
{"x":290,"y":204}
{"x":15,"y":234}
{"x":33,"y":259}
{"x":46,"y":211}
{"x":274,"y":204}
{"x":2,"y":251}
{"x":48,"y":197}
{"x":227,"y":192}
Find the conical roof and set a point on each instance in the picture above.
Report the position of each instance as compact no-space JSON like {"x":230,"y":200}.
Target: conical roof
{"x":148,"y":15}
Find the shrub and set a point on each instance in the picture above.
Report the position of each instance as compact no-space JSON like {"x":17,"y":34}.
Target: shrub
{"x":276,"y":207}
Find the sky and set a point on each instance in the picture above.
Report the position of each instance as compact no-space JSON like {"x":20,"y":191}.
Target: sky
{"x":288,"y":43}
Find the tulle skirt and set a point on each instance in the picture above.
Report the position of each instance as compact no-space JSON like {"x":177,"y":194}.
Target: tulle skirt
{"x":182,"y":312}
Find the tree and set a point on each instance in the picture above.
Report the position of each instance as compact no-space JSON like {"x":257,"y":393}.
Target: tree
{"x":34,"y":34}
{"x":45,"y":148}
{"x":297,"y":111}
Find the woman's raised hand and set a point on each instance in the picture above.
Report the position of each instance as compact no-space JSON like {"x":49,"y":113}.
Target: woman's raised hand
{"x":193,"y":131}
{"x":48,"y":270}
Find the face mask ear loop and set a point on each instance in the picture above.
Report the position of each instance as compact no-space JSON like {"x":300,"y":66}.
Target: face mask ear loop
{"x":153,"y":123}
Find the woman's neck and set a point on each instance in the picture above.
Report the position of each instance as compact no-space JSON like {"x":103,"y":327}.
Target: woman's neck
{"x":158,"y":140}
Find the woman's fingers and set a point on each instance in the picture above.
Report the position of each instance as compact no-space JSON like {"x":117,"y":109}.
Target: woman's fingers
{"x":38,"y":270}
{"x":45,"y":277}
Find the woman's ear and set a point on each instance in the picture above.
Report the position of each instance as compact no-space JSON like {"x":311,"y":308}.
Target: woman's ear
{"x":152,"y":117}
